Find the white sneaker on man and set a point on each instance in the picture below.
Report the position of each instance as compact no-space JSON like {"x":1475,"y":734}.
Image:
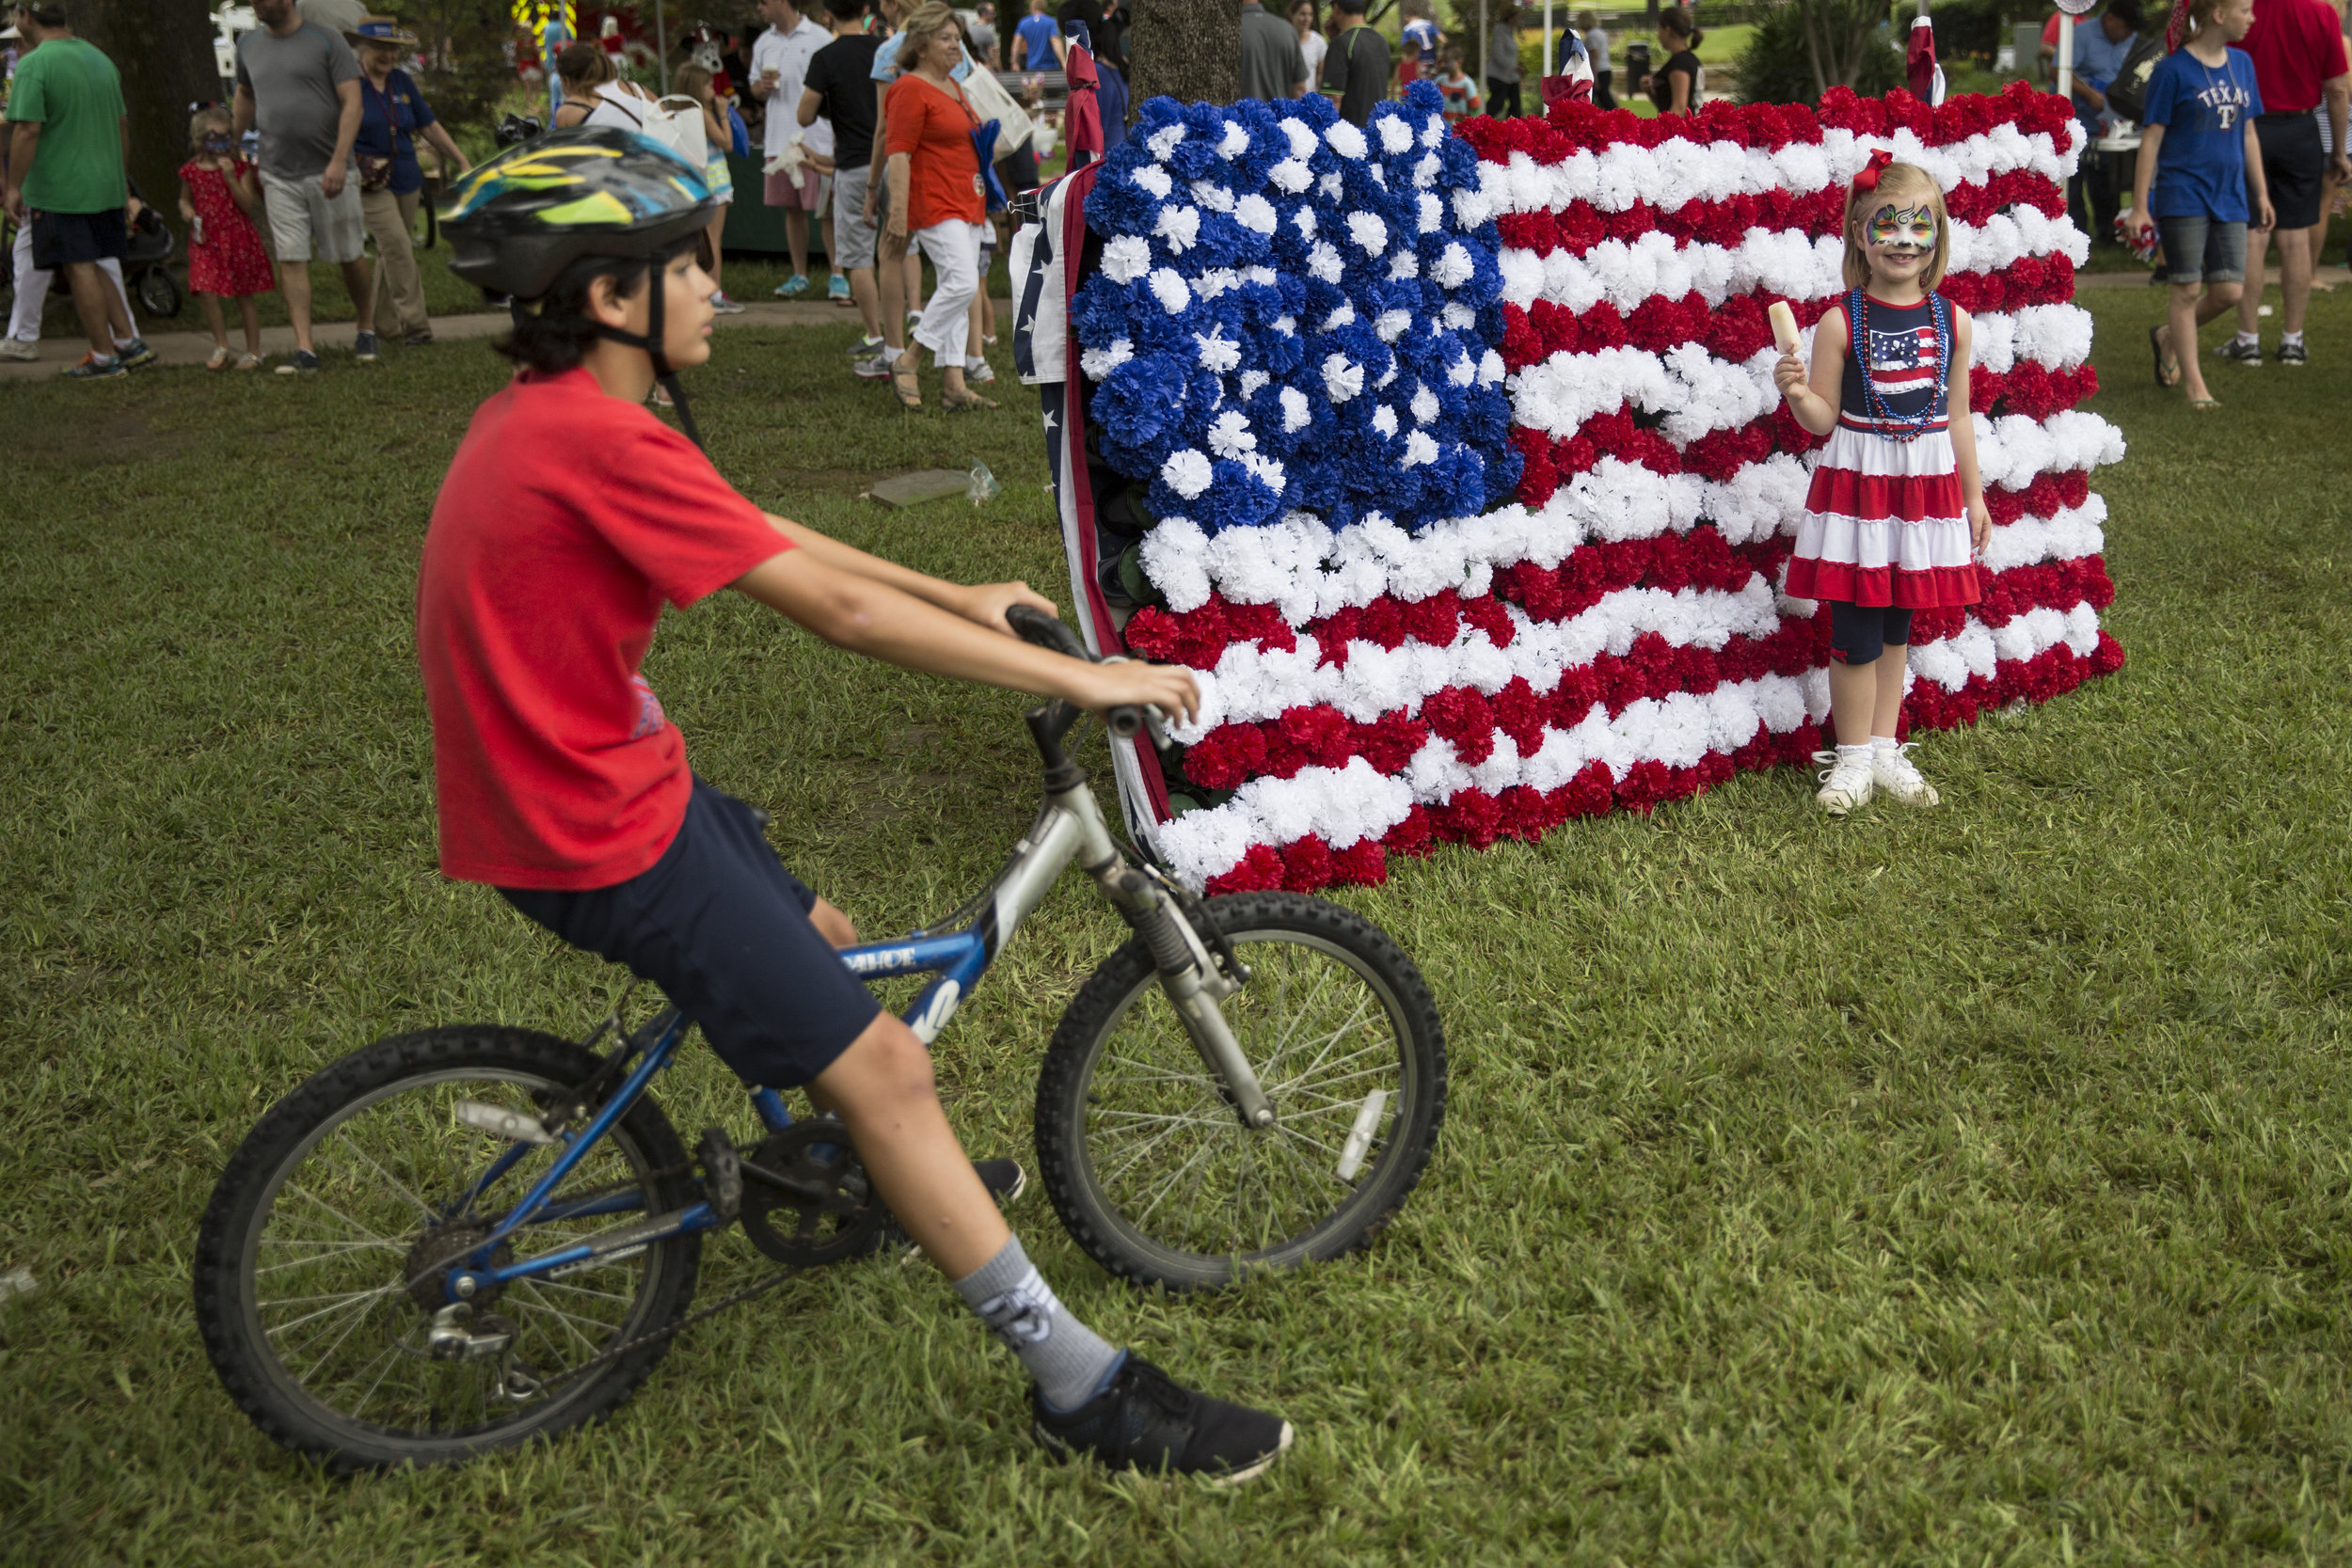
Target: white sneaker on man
{"x":1892,"y":770}
{"x":1847,"y":779}
{"x":17,"y":348}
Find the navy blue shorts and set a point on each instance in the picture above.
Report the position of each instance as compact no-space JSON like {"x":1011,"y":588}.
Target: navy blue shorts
{"x":1858,"y":633}
{"x":62,"y":239}
{"x":723,"y":928}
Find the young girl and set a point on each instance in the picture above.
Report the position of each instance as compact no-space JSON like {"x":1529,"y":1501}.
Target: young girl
{"x":1897,"y":510}
{"x":695,"y":82}
{"x":2198,"y":147}
{"x":1461,"y":95}
{"x":218,"y":201}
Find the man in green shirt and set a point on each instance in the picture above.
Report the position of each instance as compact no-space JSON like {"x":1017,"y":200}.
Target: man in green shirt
{"x":66,"y":155}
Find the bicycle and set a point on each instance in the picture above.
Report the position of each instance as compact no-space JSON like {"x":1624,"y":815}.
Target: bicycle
{"x":468,"y":1238}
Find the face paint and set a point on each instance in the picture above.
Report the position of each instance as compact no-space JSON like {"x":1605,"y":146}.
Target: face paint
{"x":1898,"y":226}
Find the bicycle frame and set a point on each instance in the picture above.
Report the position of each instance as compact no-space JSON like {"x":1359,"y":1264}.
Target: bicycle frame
{"x":1069,"y":827}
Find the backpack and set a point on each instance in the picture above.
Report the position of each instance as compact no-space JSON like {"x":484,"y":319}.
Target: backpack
{"x":674,"y":122}
{"x":2128,"y":95}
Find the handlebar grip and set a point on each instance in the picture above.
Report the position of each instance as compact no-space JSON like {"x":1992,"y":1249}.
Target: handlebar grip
{"x":1047,"y":631}
{"x":1125,"y":720}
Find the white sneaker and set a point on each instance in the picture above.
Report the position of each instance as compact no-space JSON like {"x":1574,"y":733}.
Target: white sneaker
{"x":1892,"y":770}
{"x":17,"y":348}
{"x":1846,"y":782}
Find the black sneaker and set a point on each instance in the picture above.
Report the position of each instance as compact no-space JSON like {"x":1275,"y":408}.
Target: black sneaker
{"x":2241,"y":352}
{"x":1146,"y":1420}
{"x":363,"y":347}
{"x":2292,"y":354}
{"x":1004,"y":1178}
{"x":135,"y":353}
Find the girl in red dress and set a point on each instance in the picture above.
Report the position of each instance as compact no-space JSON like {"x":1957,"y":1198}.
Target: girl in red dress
{"x":218,"y":198}
{"x":1896,"y":513}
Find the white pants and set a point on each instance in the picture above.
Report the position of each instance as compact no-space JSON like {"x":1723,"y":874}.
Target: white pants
{"x":32,"y":287}
{"x":954,"y":247}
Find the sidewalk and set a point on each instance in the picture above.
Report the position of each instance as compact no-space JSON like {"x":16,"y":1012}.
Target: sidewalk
{"x":62,"y":344}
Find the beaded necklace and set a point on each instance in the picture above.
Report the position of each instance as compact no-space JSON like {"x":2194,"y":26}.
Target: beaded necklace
{"x":1907,"y":427}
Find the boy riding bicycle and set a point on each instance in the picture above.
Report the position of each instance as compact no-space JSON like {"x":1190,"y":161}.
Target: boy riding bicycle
{"x":569,"y":518}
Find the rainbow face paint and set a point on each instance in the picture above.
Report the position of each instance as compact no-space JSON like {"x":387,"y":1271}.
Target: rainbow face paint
{"x":1892,"y":226}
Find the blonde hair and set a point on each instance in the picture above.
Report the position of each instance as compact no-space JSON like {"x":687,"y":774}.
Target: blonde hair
{"x":923,"y":26}
{"x":203,"y":120}
{"x":1896,"y":180}
{"x":694,"y":81}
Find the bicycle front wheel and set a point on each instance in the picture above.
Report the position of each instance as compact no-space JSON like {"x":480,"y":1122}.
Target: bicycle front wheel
{"x":1148,"y":1165}
{"x":319,"y":1267}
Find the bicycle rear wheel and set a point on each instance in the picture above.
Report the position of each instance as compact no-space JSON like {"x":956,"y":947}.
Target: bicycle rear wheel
{"x":319,"y":1263}
{"x":1152,"y":1170}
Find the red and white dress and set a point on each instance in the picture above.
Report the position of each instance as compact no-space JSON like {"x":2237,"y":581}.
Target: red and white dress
{"x":229,"y":261}
{"x":1884,"y":521}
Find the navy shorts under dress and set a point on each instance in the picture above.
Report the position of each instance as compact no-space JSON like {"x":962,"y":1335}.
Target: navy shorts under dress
{"x":723,"y":928}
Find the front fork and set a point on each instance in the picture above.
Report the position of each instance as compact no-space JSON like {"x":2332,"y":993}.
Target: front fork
{"x":1194,"y":982}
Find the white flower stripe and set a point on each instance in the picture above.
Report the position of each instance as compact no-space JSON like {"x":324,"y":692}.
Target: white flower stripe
{"x":1250,"y":683}
{"x":1345,"y":805}
{"x":1678,"y":172}
{"x":1781,"y":260}
{"x":1698,"y":393}
{"x":1298,"y":565}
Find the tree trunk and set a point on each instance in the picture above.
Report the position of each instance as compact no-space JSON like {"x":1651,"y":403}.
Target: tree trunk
{"x":1189,"y":50}
{"x":165,"y":52}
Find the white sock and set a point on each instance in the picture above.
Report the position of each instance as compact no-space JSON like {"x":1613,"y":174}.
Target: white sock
{"x":1885,"y":743}
{"x":2249,"y":338}
{"x":890,"y":355}
{"x":1854,"y":753}
{"x":2286,"y":338}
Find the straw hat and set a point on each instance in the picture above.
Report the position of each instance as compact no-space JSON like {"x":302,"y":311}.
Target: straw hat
{"x":381,"y":29}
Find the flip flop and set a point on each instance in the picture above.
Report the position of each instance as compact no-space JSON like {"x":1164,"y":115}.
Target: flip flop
{"x":2201,"y":405}
{"x":2168,"y":368}
{"x":219,"y":360}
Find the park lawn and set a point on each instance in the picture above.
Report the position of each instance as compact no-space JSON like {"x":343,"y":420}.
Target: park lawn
{"x":1951,"y":1187}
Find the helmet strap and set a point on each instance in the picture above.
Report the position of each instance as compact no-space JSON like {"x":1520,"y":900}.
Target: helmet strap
{"x":651,"y":341}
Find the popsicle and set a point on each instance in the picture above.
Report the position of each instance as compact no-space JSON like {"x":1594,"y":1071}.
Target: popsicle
{"x":1783,"y":325}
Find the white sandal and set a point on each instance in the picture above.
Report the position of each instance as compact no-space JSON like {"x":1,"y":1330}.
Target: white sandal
{"x":249,"y":362}
{"x":219,"y":360}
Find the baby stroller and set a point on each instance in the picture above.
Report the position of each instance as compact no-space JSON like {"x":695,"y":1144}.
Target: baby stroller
{"x":144,"y":264}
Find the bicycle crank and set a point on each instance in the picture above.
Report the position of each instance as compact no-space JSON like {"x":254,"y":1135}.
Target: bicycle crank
{"x":806,"y":1200}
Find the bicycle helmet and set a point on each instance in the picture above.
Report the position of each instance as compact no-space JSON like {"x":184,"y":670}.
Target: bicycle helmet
{"x":517,"y":222}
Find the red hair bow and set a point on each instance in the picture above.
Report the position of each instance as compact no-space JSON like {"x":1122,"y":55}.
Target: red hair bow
{"x":1868,"y":178}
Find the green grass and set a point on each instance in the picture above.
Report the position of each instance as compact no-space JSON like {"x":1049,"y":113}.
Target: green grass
{"x":1954,"y":1187}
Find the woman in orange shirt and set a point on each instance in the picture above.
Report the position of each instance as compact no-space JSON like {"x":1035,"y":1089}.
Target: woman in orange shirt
{"x":936,"y":197}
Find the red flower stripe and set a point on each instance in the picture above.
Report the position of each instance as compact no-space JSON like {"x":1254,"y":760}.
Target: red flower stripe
{"x":1576,"y":127}
{"x":1479,"y":819}
{"x":1729,"y":221}
{"x":1321,"y":737}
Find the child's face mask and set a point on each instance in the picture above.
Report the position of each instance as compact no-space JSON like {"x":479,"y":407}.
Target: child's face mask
{"x":1894,"y":228}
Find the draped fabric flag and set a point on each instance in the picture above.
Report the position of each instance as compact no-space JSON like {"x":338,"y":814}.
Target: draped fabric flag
{"x":1472,"y":492}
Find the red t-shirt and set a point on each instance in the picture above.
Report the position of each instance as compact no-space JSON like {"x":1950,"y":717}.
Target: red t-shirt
{"x":568,"y":518}
{"x":934,"y":130}
{"x":2296,"y":44}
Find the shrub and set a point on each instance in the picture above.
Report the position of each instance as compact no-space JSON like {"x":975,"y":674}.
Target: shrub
{"x":1802,"y":49}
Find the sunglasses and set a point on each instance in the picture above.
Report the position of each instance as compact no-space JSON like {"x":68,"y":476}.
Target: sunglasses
{"x":1893,"y":226}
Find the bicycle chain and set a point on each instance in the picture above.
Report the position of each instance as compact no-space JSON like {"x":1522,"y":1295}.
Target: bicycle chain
{"x":613,"y":1353}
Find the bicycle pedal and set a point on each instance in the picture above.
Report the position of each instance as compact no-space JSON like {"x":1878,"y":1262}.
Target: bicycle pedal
{"x":723,"y":1174}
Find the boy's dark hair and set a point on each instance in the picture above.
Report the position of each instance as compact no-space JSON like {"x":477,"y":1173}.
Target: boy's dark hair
{"x":552,"y":333}
{"x":1349,"y":8}
{"x":845,"y":10}
{"x":2128,"y":13}
{"x":47,"y":16}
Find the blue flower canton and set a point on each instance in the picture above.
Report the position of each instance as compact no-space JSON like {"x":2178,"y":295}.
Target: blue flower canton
{"x":1290,"y":316}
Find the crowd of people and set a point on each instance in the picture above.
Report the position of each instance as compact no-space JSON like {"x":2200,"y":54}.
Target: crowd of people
{"x":334,"y":165}
{"x":862,"y":114}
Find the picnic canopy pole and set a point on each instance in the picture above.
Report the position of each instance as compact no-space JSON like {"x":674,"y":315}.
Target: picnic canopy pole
{"x":1546,"y":38}
{"x":2066,"y":55}
{"x":662,"y":47}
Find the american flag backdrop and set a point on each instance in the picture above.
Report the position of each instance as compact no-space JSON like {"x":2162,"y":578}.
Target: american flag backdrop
{"x":1613,"y":635}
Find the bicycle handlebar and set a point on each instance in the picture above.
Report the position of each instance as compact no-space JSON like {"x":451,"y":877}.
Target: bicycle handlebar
{"x":1049,"y":631}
